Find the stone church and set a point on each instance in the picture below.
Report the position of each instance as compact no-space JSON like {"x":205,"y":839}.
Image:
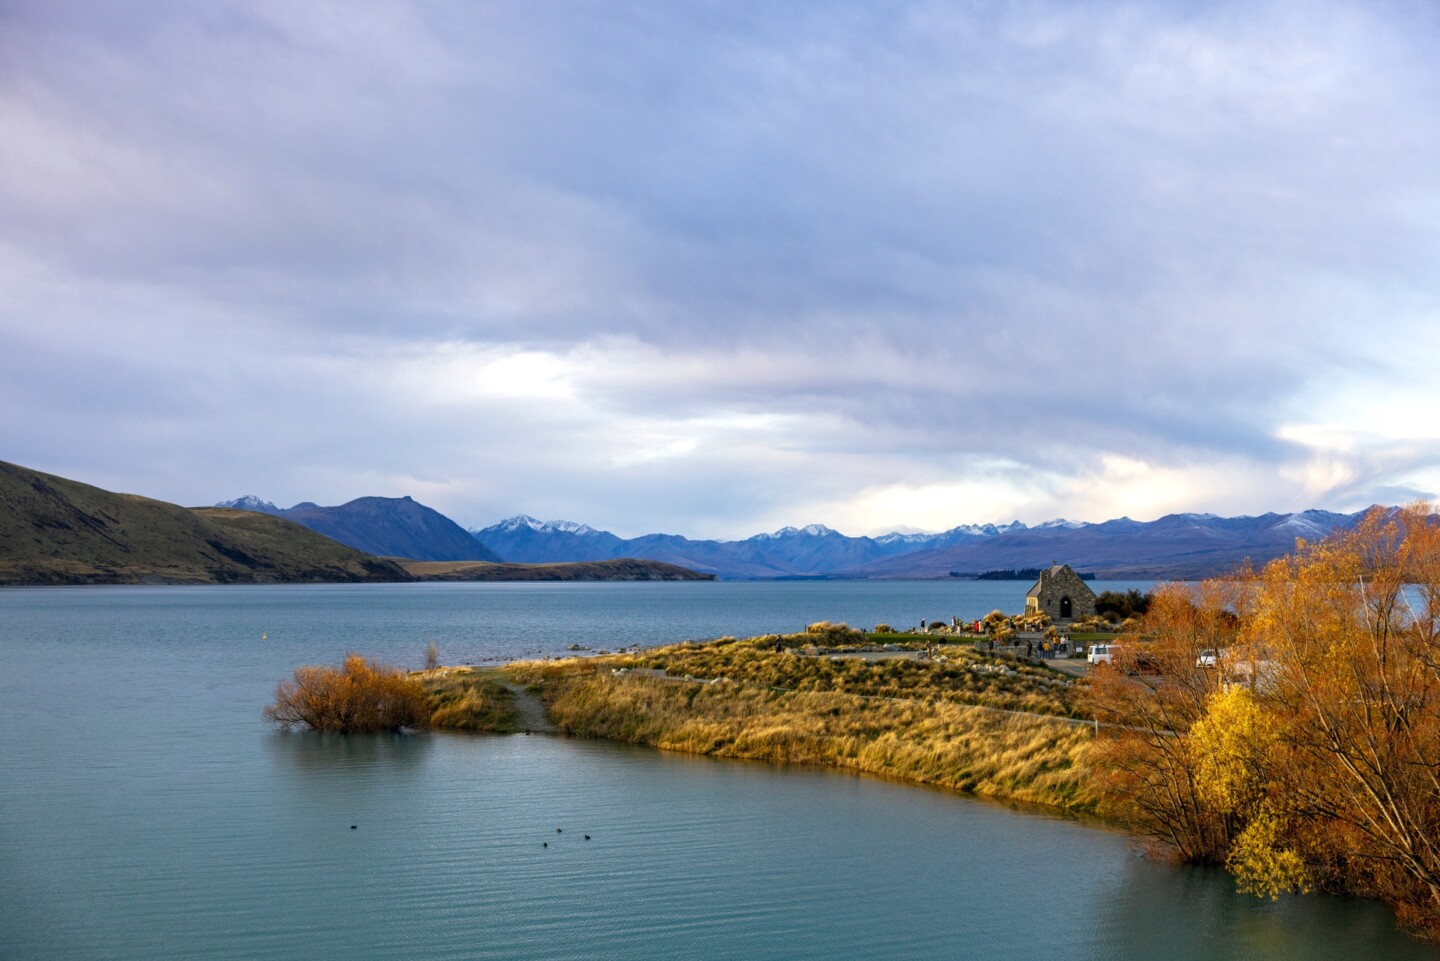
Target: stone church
{"x":1060,"y":593}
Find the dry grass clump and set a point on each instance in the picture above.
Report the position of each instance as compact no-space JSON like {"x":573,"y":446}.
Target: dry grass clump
{"x":468,"y":699}
{"x":833,"y":634}
{"x":358,"y":697}
{"x":991,"y":753}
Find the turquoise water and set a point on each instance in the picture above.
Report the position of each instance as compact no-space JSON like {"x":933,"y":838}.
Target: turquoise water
{"x":147,"y":813}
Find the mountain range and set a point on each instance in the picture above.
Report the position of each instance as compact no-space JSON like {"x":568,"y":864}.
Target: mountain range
{"x":1177,"y":546}
{"x":383,"y":526}
{"x":1174,"y":546}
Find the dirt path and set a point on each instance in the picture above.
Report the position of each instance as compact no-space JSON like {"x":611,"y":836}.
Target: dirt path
{"x":531,"y":711}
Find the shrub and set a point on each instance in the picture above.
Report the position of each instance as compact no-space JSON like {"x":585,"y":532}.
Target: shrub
{"x":841,"y":633}
{"x":884,"y":629}
{"x":993,"y":622}
{"x":1116,"y":606}
{"x":358,"y":697}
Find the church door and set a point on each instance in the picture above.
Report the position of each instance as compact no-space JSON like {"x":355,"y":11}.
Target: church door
{"x":1065,"y":607}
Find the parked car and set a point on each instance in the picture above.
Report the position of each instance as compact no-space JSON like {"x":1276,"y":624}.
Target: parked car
{"x":1143,"y":664}
{"x":1101,"y":654}
{"x":1210,"y":657}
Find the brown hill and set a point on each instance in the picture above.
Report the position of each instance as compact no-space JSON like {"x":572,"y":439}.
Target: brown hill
{"x":59,"y":531}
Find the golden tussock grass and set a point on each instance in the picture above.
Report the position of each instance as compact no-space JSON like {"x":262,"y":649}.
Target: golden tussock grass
{"x":960,"y":673}
{"x":468,"y":699}
{"x":987,"y":752}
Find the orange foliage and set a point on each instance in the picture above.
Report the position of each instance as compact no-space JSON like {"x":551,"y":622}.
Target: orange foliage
{"x":358,"y":697}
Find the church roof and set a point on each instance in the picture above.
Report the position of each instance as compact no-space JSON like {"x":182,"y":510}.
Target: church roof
{"x":1052,"y":569}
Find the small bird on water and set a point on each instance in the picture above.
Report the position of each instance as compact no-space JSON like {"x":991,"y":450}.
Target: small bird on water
{"x":587,"y":837}
{"x":557,"y":831}
{"x":544,"y":844}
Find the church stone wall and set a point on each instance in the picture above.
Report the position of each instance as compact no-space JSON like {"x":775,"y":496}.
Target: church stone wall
{"x":1058,"y":583}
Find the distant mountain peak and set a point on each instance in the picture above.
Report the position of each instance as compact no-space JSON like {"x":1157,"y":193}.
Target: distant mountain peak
{"x":1059,"y":522}
{"x":810,"y":530}
{"x":519,"y":521}
{"x":250,"y":503}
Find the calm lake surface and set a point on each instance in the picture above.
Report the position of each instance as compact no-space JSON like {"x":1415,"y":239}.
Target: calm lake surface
{"x":146,"y":812}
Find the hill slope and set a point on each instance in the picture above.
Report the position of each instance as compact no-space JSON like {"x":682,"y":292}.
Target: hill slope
{"x":59,"y":531}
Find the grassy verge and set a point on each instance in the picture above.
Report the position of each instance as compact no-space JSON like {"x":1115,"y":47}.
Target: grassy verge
{"x":469,"y":699}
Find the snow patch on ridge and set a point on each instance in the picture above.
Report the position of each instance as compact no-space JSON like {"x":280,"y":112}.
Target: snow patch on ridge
{"x":545,"y":527}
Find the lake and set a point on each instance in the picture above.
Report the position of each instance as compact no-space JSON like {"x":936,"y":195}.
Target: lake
{"x":146,"y":812}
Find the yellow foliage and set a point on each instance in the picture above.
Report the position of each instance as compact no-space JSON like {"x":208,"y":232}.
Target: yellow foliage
{"x":1261,"y":865}
{"x":1228,"y":748}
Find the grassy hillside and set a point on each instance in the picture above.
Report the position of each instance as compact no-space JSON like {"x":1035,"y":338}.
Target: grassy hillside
{"x":625,"y":569}
{"x":59,"y":531}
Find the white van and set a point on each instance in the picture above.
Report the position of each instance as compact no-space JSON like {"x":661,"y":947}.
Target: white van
{"x":1101,"y":654}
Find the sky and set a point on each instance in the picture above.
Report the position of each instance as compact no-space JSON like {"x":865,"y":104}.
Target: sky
{"x":717,"y":267}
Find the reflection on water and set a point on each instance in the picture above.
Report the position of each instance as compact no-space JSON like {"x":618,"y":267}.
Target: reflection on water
{"x":341,"y":754}
{"x":1141,"y":916}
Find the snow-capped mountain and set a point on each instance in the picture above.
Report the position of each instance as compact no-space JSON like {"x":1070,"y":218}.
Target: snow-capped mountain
{"x":251,"y":503}
{"x":1058,"y":522}
{"x":812,"y":530}
{"x":548,"y":527}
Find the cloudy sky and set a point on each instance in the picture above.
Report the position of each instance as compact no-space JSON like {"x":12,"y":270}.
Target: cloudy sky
{"x":716,"y":267}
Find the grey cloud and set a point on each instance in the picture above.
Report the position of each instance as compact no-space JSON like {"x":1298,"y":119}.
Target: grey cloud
{"x":929,"y":233}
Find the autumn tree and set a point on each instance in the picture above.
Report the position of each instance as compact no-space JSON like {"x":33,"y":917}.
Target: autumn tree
{"x":359,"y":696}
{"x":1348,"y":628}
{"x":1143,"y":761}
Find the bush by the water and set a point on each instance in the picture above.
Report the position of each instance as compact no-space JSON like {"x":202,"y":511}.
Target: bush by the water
{"x":1117,"y":606}
{"x":359,"y":696}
